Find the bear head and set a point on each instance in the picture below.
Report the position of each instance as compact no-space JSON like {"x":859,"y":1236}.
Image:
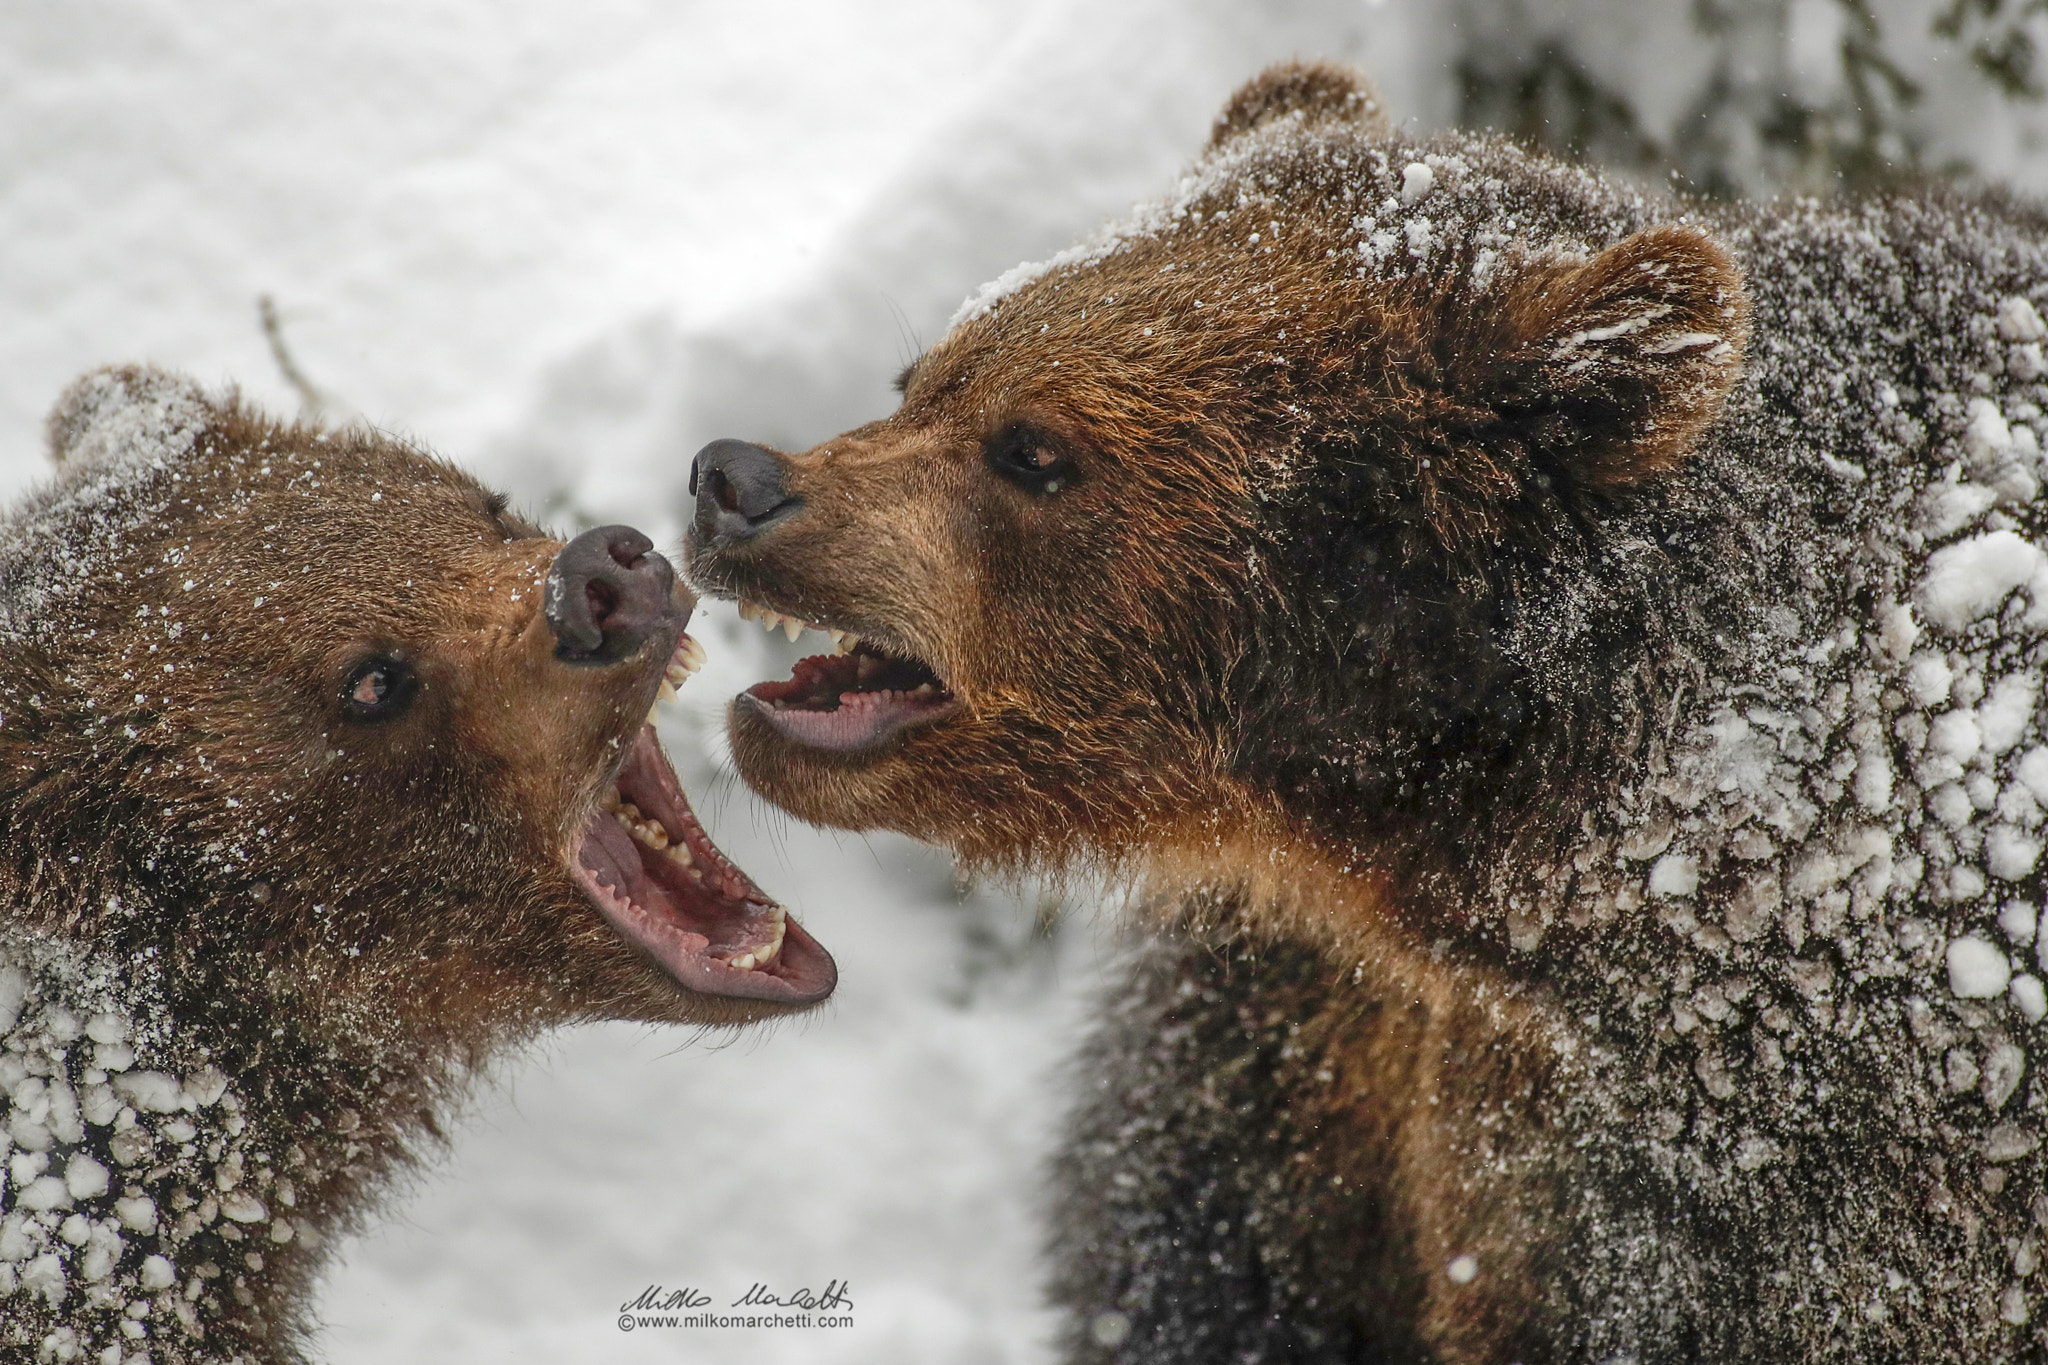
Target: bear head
{"x":316,"y":723}
{"x":1232,"y":514}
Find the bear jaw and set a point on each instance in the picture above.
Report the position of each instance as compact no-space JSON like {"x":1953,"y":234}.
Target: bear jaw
{"x":647,"y":865}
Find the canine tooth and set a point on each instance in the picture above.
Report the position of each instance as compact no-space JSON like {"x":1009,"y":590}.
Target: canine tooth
{"x":610,"y":800}
{"x":792,"y":628}
{"x":654,"y":713}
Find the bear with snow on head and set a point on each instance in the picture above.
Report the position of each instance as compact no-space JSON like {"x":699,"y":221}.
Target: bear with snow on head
{"x":323,"y":779}
{"x":1563,"y":667}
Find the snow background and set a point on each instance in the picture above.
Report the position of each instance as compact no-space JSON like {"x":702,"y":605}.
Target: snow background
{"x":566,"y":247}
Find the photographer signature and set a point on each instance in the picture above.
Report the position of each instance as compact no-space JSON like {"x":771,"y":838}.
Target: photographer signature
{"x":835,"y":1296}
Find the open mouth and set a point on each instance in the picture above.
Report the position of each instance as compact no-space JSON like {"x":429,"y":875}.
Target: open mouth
{"x":854,"y":699}
{"x":657,"y":877}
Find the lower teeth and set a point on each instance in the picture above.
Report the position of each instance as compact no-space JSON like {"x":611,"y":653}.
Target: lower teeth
{"x":651,"y":833}
{"x":762,"y":956}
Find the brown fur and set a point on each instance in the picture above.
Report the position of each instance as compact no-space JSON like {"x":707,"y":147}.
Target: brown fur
{"x":1311,"y":92}
{"x":1369,"y":551}
{"x":1119,"y":714}
{"x":344,"y":921}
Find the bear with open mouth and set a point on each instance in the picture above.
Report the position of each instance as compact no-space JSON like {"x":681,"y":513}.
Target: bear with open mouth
{"x":1564,"y":668}
{"x":326,"y":779}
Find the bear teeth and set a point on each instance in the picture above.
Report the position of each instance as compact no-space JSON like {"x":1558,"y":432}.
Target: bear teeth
{"x":651,"y":833}
{"x":765,"y":954}
{"x":687,"y":659}
{"x":772,"y":619}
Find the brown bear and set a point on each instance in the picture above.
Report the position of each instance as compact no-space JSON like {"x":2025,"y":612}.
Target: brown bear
{"x":1563,"y":666}
{"x":326,"y":778}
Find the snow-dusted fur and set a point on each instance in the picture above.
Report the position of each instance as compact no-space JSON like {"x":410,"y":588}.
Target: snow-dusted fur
{"x":1773,"y":907}
{"x":1566,"y":666}
{"x":144,"y":1191}
{"x":253,"y":945}
{"x":137,"y":1196}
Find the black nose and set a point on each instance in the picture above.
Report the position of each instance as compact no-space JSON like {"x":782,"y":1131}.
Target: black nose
{"x":607,"y":592}
{"x":740,"y":492}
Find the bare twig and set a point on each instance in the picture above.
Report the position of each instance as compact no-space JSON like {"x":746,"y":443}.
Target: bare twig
{"x":310,"y":398}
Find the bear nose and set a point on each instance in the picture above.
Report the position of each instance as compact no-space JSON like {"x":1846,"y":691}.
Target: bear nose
{"x":607,"y":592}
{"x":740,"y":492}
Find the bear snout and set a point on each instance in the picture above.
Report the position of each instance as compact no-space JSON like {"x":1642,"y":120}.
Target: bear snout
{"x":741,"y":492}
{"x":607,"y":592}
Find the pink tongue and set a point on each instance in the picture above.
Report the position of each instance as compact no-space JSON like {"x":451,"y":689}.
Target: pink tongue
{"x":860,"y":719}
{"x":610,"y":853}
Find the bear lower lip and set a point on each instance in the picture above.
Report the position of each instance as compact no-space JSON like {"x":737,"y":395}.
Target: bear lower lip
{"x":657,"y":878}
{"x":850,"y":702}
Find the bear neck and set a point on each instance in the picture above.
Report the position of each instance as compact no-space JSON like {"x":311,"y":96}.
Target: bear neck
{"x":1493,"y":725}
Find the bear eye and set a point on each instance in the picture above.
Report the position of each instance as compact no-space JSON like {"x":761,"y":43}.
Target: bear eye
{"x":378,"y":689}
{"x":1028,"y":459}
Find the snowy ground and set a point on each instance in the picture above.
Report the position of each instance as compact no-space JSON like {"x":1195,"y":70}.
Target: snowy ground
{"x":567,"y":246}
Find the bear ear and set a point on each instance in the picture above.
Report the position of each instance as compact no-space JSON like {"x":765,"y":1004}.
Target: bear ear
{"x":135,"y":411}
{"x":1316,"y":92}
{"x":1616,"y":365}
